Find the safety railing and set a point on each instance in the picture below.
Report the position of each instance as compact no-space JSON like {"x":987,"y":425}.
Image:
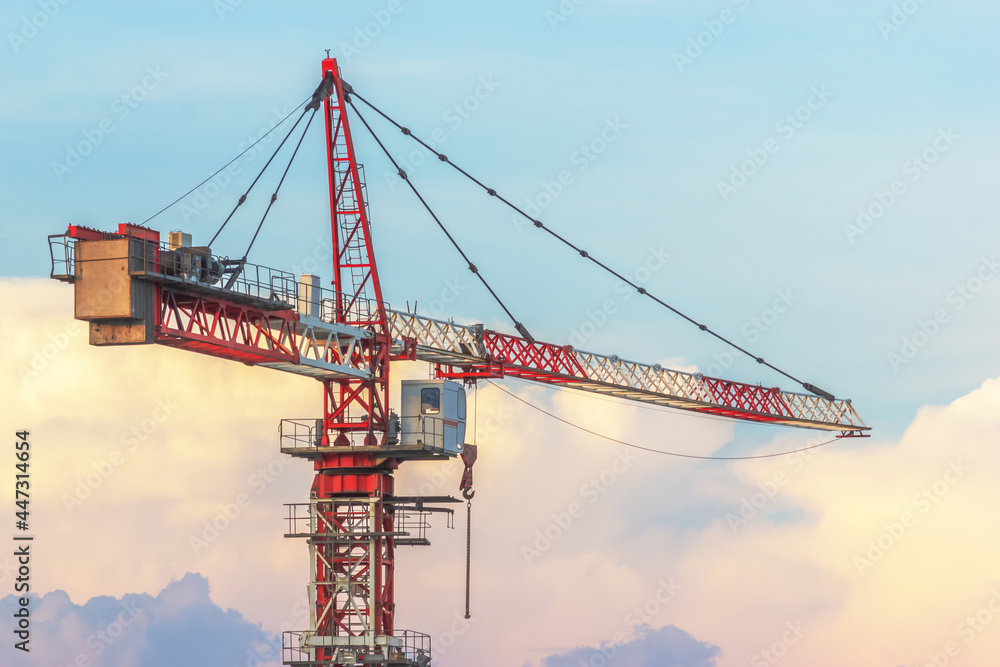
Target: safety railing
{"x":62,"y":251}
{"x":402,"y":647}
{"x":201,"y":271}
{"x":413,"y":522}
{"x":348,"y":519}
{"x":306,"y":433}
{"x":300,"y":433}
{"x":336,"y":519}
{"x":424,"y":430}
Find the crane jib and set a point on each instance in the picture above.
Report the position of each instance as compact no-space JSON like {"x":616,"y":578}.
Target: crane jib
{"x":470,"y":351}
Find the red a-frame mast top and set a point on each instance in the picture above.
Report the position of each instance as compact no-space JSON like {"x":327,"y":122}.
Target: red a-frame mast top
{"x":355,"y":275}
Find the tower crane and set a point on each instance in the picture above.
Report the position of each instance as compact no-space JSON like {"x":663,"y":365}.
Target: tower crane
{"x":134,"y":287}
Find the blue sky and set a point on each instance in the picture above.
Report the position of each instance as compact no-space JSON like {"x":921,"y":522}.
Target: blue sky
{"x":897,"y":118}
{"x":227,"y":70}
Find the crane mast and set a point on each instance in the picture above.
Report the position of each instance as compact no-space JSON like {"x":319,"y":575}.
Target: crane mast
{"x":134,"y":288}
{"x":348,"y":524}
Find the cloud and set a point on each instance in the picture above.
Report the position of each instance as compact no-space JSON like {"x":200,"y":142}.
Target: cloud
{"x":667,"y":647}
{"x":576,"y":541}
{"x":169,"y":460}
{"x":179,"y":626}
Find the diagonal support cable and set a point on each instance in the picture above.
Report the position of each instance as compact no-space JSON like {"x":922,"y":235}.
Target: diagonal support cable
{"x":274,"y":196}
{"x":322,"y":90}
{"x":243,"y":197}
{"x":220,"y":169}
{"x":521,"y":329}
{"x":585,"y":254}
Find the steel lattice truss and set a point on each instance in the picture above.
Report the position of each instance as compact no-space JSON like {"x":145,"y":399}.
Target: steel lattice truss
{"x":279,"y":339}
{"x":351,"y":554}
{"x":472,"y":351}
{"x":355,"y":274}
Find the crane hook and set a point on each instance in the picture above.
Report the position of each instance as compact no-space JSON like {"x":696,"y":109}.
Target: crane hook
{"x":469,"y":454}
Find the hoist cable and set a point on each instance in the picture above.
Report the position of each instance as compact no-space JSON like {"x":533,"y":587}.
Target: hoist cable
{"x":472,"y":267}
{"x":658,"y":451}
{"x":586,"y":255}
{"x":468,"y":556}
{"x":468,"y":515}
{"x":221,"y":169}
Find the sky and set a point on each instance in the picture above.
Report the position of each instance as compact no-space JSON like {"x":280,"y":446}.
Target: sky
{"x":811,"y":180}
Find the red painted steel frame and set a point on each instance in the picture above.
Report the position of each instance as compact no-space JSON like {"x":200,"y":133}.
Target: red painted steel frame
{"x":749,"y":397}
{"x":351,"y":230}
{"x":352,"y":406}
{"x":224,"y":329}
{"x":541,"y":356}
{"x":558,"y":365}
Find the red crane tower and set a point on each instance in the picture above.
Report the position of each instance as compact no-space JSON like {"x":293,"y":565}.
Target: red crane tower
{"x":135,"y":289}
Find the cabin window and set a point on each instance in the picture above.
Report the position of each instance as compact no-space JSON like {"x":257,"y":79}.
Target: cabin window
{"x":430,"y":401}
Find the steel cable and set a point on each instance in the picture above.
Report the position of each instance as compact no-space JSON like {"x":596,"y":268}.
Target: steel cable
{"x":586,"y":255}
